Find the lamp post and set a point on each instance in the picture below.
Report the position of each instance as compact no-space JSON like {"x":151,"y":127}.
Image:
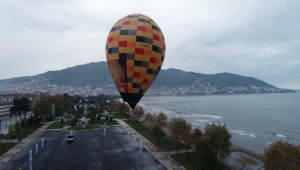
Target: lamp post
{"x":0,"y":125}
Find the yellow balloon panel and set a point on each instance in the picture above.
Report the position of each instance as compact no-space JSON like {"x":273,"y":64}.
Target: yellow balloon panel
{"x":135,"y":51}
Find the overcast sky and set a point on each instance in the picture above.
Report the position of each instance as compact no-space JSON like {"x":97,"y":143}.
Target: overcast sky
{"x":254,"y":38}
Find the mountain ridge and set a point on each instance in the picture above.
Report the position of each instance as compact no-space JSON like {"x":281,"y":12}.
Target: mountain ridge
{"x":170,"y":81}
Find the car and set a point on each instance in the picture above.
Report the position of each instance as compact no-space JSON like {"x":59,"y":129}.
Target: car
{"x":70,"y":138}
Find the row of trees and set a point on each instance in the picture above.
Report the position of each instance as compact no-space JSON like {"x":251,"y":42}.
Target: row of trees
{"x":43,"y":106}
{"x":210,"y":145}
{"x":213,"y":143}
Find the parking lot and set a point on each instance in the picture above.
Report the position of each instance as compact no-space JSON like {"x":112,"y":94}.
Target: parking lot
{"x":91,"y":150}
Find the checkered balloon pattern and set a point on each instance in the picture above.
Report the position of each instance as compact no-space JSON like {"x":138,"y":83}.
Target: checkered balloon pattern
{"x":135,"y":51}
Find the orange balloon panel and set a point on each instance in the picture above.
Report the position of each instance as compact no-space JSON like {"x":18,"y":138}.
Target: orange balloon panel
{"x":135,"y":51}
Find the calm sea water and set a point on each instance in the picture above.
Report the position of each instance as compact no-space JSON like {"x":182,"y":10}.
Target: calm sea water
{"x":255,"y":121}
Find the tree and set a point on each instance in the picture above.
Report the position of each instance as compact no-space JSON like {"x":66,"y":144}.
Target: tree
{"x":92,"y":116}
{"x":138,"y":112}
{"x":33,"y":120}
{"x":243,"y":162}
{"x":149,"y":119}
{"x":81,"y":110}
{"x":11,"y":128}
{"x":20,"y":105}
{"x":282,"y":155}
{"x":157,"y":133}
{"x":177,"y":126}
{"x":204,"y":152}
{"x":113,"y":104}
{"x":59,"y":101}
{"x":17,"y":127}
{"x":187,"y":138}
{"x":161,"y":119}
{"x":218,"y":137}
{"x":42,"y":107}
{"x":123,"y":107}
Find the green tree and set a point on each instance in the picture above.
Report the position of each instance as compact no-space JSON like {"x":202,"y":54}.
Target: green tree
{"x":204,"y":152}
{"x":92,"y":116}
{"x":81,"y":110}
{"x":187,"y":138}
{"x":17,"y":127}
{"x":60,"y":103}
{"x":177,"y":126}
{"x":138,"y":112}
{"x":161,"y":119}
{"x":282,"y":156}
{"x":157,"y":133}
{"x":218,"y":137}
{"x":20,"y":105}
{"x":11,"y":128}
{"x":42,"y":107}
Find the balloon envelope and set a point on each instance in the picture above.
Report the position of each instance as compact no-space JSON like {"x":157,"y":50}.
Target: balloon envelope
{"x":135,"y":51}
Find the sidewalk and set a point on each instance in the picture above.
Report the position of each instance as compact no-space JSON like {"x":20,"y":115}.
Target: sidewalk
{"x":16,"y":149}
{"x":164,"y":158}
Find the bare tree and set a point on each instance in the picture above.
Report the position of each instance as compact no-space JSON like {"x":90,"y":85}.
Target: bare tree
{"x":243,"y":162}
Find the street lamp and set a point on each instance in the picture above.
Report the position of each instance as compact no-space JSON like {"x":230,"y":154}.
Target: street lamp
{"x":0,"y":125}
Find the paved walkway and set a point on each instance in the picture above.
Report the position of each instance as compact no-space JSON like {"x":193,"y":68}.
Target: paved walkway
{"x":164,"y":158}
{"x":16,"y":149}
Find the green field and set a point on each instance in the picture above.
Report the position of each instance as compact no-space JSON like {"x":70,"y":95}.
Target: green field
{"x":59,"y":125}
{"x":25,"y":131}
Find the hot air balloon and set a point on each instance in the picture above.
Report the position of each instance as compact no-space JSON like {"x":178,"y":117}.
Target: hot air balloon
{"x":135,"y":51}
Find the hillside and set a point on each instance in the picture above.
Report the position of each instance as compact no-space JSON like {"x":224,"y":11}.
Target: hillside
{"x":94,"y":76}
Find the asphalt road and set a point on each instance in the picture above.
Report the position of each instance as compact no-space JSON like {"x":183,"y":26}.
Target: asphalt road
{"x":89,"y":151}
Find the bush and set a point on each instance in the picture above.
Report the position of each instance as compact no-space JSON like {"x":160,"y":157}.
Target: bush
{"x":34,"y":120}
{"x":99,"y":117}
{"x":23,"y":122}
{"x":110,"y":118}
{"x":50,"y":118}
{"x":74,"y":121}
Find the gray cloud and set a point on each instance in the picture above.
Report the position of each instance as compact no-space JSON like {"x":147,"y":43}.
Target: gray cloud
{"x":252,"y":38}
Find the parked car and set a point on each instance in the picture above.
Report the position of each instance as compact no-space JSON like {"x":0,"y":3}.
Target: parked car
{"x":70,"y":138}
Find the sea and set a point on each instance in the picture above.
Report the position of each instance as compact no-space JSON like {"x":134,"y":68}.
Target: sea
{"x":254,"y":120}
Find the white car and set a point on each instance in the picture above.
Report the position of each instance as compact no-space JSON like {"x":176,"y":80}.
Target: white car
{"x":70,"y":138}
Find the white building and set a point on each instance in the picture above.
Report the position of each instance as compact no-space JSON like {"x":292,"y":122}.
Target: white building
{"x":4,"y":108}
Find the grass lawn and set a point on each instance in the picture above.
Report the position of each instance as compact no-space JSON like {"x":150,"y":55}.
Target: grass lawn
{"x":25,"y":131}
{"x":6,"y":146}
{"x":118,"y":115}
{"x":88,"y":127}
{"x":165,"y":143}
{"x":69,"y":117}
{"x":182,"y":159}
{"x":108,"y":122}
{"x":59,"y":125}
